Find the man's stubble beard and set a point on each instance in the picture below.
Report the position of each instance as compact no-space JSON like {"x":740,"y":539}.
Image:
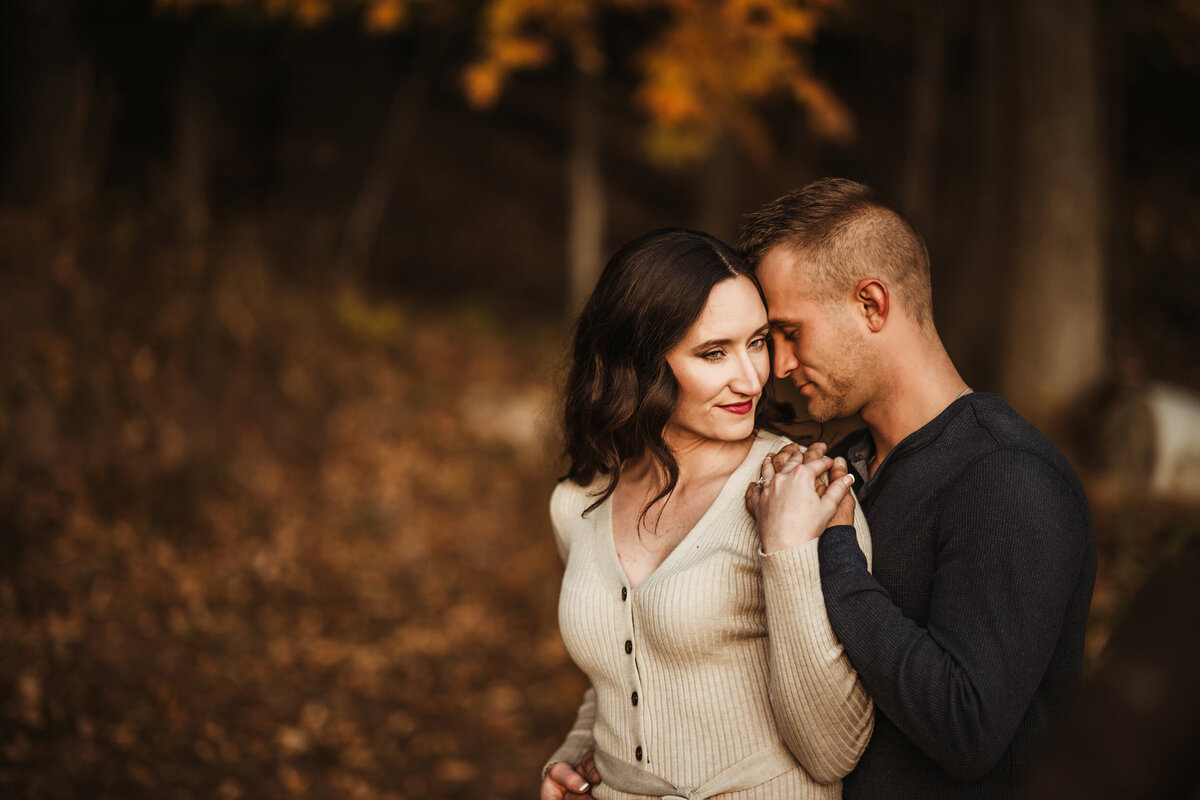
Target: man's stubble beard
{"x":852,"y":364}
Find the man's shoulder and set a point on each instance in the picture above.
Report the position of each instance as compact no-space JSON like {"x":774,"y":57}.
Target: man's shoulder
{"x":994,"y":426}
{"x":999,"y":449}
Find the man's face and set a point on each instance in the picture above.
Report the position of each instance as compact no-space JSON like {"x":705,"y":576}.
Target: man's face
{"x":816,"y":342}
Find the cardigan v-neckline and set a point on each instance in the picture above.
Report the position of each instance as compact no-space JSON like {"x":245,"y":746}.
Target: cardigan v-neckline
{"x":604,"y":524}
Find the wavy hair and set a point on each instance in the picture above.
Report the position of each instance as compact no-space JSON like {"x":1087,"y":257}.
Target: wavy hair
{"x":620,"y":391}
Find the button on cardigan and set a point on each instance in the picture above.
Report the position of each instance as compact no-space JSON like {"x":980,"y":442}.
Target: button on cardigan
{"x":720,"y":656}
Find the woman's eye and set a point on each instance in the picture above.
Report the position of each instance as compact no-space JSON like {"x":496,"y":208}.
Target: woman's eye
{"x":759,"y":343}
{"x":713,"y":355}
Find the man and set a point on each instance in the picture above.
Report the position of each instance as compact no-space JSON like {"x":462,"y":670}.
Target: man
{"x":969,"y":634}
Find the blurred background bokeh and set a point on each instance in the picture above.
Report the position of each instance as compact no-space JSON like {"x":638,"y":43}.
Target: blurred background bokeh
{"x":285,"y":287}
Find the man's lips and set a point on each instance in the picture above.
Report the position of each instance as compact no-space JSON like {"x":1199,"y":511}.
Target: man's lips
{"x":739,"y":408}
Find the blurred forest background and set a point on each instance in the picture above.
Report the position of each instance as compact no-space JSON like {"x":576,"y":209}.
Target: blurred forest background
{"x":285,"y":287}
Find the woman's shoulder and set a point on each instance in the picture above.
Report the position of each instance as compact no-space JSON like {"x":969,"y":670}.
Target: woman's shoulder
{"x":771,"y":441}
{"x":569,"y":500}
{"x":569,"y":493}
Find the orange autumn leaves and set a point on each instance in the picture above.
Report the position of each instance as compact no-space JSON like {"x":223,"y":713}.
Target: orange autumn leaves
{"x":707,"y":70}
{"x":710,"y":71}
{"x":378,"y":16}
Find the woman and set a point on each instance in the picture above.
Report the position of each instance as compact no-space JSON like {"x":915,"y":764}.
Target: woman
{"x":713,"y":667}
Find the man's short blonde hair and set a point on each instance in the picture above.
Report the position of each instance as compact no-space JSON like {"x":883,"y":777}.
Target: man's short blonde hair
{"x":845,"y":234}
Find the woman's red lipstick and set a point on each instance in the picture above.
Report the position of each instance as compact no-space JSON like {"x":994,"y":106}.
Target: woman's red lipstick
{"x":739,"y":408}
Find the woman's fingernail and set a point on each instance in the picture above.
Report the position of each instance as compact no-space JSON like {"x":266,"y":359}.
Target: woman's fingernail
{"x":583,"y":787}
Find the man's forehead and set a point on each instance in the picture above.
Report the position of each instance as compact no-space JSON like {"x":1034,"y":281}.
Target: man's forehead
{"x":792,"y":320}
{"x":787,"y":286}
{"x":784,"y":266}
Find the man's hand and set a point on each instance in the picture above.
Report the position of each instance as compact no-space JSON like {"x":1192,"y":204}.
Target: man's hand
{"x":794,"y":502}
{"x":562,"y":781}
{"x":845,"y":511}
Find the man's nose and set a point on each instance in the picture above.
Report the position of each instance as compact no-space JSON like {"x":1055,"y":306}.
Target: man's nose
{"x":785,"y":360}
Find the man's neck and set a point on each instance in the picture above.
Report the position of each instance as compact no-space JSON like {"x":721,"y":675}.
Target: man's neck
{"x":910,"y":397}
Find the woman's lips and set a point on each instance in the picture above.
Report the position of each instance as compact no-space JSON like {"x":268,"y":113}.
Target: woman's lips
{"x":739,"y":408}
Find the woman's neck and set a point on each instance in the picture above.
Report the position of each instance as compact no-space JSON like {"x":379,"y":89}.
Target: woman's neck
{"x":698,"y":460}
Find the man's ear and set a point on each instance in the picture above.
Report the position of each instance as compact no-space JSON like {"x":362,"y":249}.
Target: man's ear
{"x":874,"y":303}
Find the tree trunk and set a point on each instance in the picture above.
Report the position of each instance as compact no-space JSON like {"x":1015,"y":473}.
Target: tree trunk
{"x":585,"y":227}
{"x":1054,"y":346}
{"x":49,"y":163}
{"x":981,"y":195}
{"x":193,"y":148}
{"x":920,"y":164}
{"x":718,"y":192}
{"x":395,"y":143}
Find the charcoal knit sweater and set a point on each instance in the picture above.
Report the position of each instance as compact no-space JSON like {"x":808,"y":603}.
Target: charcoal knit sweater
{"x":969,"y":633}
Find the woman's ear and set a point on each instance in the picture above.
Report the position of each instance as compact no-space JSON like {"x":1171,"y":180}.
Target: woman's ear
{"x":874,"y":303}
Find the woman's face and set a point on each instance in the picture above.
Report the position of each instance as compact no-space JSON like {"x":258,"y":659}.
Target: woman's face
{"x":721,"y":365}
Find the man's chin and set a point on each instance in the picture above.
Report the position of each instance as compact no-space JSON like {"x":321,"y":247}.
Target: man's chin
{"x":822,"y":410}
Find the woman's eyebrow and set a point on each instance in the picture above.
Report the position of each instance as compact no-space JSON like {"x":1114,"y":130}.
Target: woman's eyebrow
{"x":713,"y":343}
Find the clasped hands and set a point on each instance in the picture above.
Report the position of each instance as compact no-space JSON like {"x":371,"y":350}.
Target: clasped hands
{"x":798,"y":495}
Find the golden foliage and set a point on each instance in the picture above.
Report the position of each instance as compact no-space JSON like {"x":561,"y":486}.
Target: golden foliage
{"x":379,"y":16}
{"x":707,"y":72}
{"x":520,"y":34}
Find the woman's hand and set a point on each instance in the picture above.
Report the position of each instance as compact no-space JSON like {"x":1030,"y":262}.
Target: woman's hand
{"x":562,"y":781}
{"x":792,"y":503}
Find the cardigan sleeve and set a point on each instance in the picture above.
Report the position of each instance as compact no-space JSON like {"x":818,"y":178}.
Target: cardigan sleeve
{"x":824,"y":714}
{"x":580,"y":739}
{"x":560,"y":517}
{"x":1011,"y":542}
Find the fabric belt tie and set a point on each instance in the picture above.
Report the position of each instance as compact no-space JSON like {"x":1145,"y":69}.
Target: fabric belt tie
{"x":760,"y":767}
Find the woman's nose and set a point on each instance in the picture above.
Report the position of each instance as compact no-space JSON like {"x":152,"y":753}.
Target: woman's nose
{"x":749,"y":378}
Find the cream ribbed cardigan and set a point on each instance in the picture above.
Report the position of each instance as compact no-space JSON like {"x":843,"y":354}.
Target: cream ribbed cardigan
{"x":721,"y":653}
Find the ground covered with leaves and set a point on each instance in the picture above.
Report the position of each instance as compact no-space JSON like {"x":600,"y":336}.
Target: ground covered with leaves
{"x":267,"y":540}
{"x":267,"y":537}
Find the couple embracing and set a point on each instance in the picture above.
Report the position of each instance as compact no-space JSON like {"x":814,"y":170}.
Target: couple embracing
{"x":753,"y":628}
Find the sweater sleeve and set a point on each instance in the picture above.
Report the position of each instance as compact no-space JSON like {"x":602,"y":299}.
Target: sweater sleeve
{"x":824,"y":715}
{"x":1010,"y":540}
{"x":580,"y":739}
